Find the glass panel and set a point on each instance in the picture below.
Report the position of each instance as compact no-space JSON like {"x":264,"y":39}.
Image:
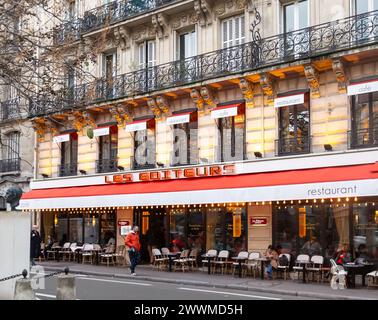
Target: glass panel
{"x":310,"y":239}
{"x":375,"y":5}
{"x":215,"y":229}
{"x":236,"y":229}
{"x":362,"y":112}
{"x":108,"y":228}
{"x":286,"y":229}
{"x":196,"y":235}
{"x":104,"y":147}
{"x":76,"y":229}
{"x":365,"y":238}
{"x":177,"y":230}
{"x":61,"y":229}
{"x":362,"y":6}
{"x":113,"y":145}
{"x":232,"y":135}
{"x":289,"y":18}
{"x":303,"y":14}
{"x":91,"y":234}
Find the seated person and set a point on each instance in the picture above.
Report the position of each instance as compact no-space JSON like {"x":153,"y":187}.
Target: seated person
{"x":312,"y":247}
{"x":272,"y":255}
{"x":343,"y":256}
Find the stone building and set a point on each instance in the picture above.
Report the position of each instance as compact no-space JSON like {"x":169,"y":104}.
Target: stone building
{"x":226,"y":124}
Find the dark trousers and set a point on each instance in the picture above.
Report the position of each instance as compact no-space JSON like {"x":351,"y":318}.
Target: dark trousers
{"x":134,"y":259}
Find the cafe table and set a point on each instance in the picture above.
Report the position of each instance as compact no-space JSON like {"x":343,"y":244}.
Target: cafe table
{"x":357,"y":269}
{"x":304,"y":265}
{"x":262,"y":261}
{"x":171,"y":256}
{"x":209,"y":257}
{"x":240,"y":260}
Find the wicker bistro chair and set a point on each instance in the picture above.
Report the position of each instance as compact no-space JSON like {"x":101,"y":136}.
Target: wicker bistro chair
{"x":243,"y":255}
{"x":211,"y":252}
{"x":164,"y":252}
{"x":108,"y":256}
{"x":298,"y":267}
{"x":66,"y":248}
{"x":69,"y":252}
{"x":193,"y":258}
{"x":221,"y":261}
{"x":316,"y":267}
{"x":120,"y":255}
{"x":283,"y":268}
{"x":159,"y":260}
{"x":183,"y":261}
{"x":52,"y":253}
{"x":87,"y":253}
{"x":252,"y":264}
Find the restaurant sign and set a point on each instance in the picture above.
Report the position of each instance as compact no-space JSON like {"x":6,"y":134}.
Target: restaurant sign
{"x":259,"y":221}
{"x":363,"y":87}
{"x":171,"y":174}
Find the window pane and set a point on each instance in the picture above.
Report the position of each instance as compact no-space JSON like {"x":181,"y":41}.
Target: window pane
{"x":362,"y":6}
{"x":236,"y":229}
{"x":289,"y":18}
{"x":177,"y":233}
{"x":214,"y":229}
{"x":286,"y":228}
{"x":303,"y":14}
{"x":91,"y":234}
{"x":196,"y":234}
{"x":362,"y":111}
{"x":76,"y":229}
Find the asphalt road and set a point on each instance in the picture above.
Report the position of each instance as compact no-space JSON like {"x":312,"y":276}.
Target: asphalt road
{"x":105,"y":288}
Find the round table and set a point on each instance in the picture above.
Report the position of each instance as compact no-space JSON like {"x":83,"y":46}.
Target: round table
{"x":171,"y":256}
{"x":208,"y":257}
{"x":354,"y":269}
{"x":239,"y":259}
{"x":304,"y":265}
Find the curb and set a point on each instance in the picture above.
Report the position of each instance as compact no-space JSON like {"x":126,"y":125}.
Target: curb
{"x":216,"y":285}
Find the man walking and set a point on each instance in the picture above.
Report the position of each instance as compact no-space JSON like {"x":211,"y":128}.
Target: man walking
{"x":132,"y":241}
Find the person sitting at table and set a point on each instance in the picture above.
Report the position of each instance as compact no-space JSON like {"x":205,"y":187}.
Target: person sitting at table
{"x":343,"y":256}
{"x":272,"y":255}
{"x":312,"y":247}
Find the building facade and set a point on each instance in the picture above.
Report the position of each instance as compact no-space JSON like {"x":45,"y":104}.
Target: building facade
{"x":214,"y":124}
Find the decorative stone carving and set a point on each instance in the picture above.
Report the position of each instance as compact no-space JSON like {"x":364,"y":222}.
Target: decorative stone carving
{"x":203,"y":10}
{"x":312,"y":77}
{"x":184,"y":20}
{"x":160,"y":24}
{"x":89,"y":119}
{"x":151,"y":102}
{"x":230,"y":6}
{"x":77,"y":120}
{"x":267,"y":86}
{"x":162,"y":104}
{"x":143,"y":33}
{"x":338,"y":69}
{"x":197,"y":99}
{"x":42,"y":126}
{"x":247,"y":89}
{"x":121,"y":114}
{"x":208,"y":96}
{"x":122,"y":37}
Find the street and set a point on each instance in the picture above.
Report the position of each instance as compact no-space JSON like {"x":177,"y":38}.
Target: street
{"x":106,"y":288}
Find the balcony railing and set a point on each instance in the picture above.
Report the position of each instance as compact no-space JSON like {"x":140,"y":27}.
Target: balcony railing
{"x":143,"y":165}
{"x":66,"y":170}
{"x":10,"y":109}
{"x":352,"y":32}
{"x":293,"y":146}
{"x":106,"y":15}
{"x":363,"y":138}
{"x":9,"y":165}
{"x":106,"y":165}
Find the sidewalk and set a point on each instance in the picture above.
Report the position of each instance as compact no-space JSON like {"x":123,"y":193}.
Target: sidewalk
{"x":200,"y":278}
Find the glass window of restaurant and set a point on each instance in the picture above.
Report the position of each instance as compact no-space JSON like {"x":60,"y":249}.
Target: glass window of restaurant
{"x":322,"y":229}
{"x":364,"y":120}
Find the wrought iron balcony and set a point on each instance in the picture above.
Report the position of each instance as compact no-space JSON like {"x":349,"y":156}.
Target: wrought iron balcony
{"x":66,"y":170}
{"x":10,"y":165}
{"x":104,"y":16}
{"x":352,"y":32}
{"x":10,"y":109}
{"x":363,"y":138}
{"x":106,"y":165}
{"x":292,"y":146}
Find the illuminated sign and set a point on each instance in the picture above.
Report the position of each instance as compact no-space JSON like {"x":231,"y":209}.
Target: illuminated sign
{"x":260,"y":221}
{"x":198,"y":172}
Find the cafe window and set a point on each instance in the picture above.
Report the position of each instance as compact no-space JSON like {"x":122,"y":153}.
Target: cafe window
{"x":108,"y":151}
{"x":145,"y":145}
{"x":91,"y":229}
{"x":364,"y":120}
{"x":107,"y":227}
{"x":294,"y":128}
{"x":185,"y":136}
{"x":231,"y":131}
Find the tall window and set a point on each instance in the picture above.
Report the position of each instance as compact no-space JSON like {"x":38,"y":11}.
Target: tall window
{"x":11,"y":148}
{"x":72,"y":10}
{"x":68,"y":161}
{"x":108,"y":151}
{"x":110,"y":73}
{"x":147,"y":60}
{"x":145,"y":147}
{"x":296,"y":15}
{"x":185,"y":146}
{"x":70,"y":82}
{"x":364,"y":120}
{"x":187,"y":45}
{"x":363,"y":6}
{"x":294,"y":128}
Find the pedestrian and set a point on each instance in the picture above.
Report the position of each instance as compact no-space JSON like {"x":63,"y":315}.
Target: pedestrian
{"x":132,"y":241}
{"x":35,"y":246}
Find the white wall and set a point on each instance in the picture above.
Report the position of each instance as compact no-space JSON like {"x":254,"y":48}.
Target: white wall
{"x":14,"y":248}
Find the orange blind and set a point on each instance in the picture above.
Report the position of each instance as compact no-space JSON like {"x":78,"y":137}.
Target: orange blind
{"x":302,"y":222}
{"x":236,"y":225}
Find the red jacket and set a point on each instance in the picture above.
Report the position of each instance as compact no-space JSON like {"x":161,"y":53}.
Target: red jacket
{"x":132,"y":240}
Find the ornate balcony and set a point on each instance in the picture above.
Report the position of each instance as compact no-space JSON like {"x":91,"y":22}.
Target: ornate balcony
{"x":352,"y":32}
{"x":104,"y":16}
{"x":363,"y":138}
{"x":10,"y":109}
{"x":293,"y":146}
{"x":10,"y":165}
{"x":66,"y":170}
{"x":106,"y":165}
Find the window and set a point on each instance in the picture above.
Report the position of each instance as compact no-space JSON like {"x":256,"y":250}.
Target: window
{"x":294,"y":128}
{"x":68,"y":160}
{"x":364,"y":120}
{"x":72,"y":10}
{"x":147,"y":62}
{"x":185,"y":146}
{"x":363,"y":6}
{"x":187,"y":45}
{"x":70,"y":82}
{"x":11,"y":152}
{"x":233,"y":31}
{"x":110,"y":73}
{"x":108,"y":151}
{"x":296,"y":16}
{"x":144,"y":147}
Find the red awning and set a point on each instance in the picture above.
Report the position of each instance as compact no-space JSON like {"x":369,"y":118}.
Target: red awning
{"x":334,"y":174}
